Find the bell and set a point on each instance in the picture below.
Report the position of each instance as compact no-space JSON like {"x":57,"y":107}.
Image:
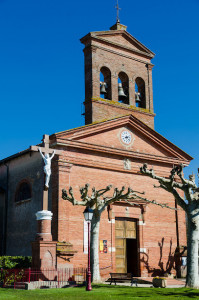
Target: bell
{"x":103,"y":88}
{"x":121,"y":93}
{"x":137,"y":97}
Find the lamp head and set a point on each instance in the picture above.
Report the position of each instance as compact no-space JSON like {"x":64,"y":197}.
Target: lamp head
{"x":88,"y":214}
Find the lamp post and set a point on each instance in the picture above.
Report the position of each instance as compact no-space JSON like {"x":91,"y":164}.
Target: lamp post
{"x":88,"y":215}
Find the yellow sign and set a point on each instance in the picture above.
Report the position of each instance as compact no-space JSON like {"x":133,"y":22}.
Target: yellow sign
{"x":101,"y":246}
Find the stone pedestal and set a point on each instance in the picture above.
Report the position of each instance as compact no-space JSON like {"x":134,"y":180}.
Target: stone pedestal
{"x":44,"y":249}
{"x":44,"y":218}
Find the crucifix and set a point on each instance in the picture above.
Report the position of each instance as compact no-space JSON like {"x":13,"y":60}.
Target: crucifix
{"x":118,"y":9}
{"x":47,"y":165}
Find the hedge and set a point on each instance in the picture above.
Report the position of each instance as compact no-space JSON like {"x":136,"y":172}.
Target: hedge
{"x":15,"y":262}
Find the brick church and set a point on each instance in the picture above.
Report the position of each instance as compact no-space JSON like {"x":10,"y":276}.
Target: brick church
{"x":118,"y":137}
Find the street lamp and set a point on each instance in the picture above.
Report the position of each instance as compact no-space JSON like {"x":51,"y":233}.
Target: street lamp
{"x":88,"y":215}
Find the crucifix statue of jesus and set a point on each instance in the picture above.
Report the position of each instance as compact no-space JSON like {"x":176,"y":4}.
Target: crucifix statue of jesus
{"x":47,"y":165}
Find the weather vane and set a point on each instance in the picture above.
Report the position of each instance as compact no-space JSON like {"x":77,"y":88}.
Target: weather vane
{"x":118,"y":9}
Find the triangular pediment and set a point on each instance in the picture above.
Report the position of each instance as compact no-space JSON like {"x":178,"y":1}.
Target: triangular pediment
{"x":124,"y":38}
{"x":119,"y":38}
{"x":126,"y":135}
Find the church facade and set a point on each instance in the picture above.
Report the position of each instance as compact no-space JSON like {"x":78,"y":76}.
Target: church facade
{"x":118,"y":137}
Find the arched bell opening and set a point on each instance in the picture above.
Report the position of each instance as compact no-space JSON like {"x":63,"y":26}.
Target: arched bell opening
{"x":123,"y":88}
{"x":140,"y":98}
{"x":105,"y":83}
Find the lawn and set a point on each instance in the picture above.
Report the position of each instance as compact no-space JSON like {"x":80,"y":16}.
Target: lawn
{"x":101,"y":292}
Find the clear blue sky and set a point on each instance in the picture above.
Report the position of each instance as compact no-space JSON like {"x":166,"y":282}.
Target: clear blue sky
{"x":42,"y":66}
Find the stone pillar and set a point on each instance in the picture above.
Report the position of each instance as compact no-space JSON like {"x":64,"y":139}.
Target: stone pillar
{"x":132,"y":92}
{"x":114,"y":84}
{"x":44,"y":218}
{"x":149,"y":88}
{"x":44,"y":249}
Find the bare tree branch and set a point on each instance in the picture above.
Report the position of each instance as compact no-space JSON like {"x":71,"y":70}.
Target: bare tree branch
{"x":169,"y":184}
{"x":162,"y":180}
{"x":118,"y":195}
{"x":149,"y":201}
{"x":101,"y":203}
{"x":71,"y":199}
{"x":191,"y":182}
{"x":103,"y":191}
{"x":84,"y":192}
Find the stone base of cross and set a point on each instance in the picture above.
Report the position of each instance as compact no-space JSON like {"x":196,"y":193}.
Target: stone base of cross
{"x":45,"y":149}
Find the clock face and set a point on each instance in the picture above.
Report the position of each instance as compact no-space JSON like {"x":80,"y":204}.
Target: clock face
{"x":126,"y":137}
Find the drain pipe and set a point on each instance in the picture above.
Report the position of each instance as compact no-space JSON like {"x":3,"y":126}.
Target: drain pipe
{"x":177,"y":227}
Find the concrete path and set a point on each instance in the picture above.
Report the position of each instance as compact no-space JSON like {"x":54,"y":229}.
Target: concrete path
{"x":147,"y":282}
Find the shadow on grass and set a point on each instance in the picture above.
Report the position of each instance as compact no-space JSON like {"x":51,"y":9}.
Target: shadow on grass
{"x":183,"y":293}
{"x":189,"y":293}
{"x":97,"y":286}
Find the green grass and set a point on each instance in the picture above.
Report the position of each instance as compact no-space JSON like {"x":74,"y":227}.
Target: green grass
{"x":101,"y":292}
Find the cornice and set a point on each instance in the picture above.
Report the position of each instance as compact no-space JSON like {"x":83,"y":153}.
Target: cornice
{"x":123,"y":106}
{"x":118,"y":53}
{"x":118,"y":152}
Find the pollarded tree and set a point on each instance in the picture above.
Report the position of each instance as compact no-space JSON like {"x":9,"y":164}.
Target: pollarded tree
{"x":190,"y":204}
{"x":98,"y":202}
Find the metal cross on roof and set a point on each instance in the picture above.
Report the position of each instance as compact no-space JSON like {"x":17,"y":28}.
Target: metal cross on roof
{"x":118,"y":9}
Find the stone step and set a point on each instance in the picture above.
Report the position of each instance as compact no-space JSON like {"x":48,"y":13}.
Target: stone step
{"x":170,"y":281}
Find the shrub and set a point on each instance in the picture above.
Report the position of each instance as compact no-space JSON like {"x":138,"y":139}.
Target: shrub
{"x":15,"y":262}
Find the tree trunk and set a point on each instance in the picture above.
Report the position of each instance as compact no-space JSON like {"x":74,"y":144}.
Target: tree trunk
{"x":95,"y":248}
{"x":192,"y":254}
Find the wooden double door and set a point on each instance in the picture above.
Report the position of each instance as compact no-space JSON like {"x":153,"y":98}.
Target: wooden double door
{"x":126,"y":244}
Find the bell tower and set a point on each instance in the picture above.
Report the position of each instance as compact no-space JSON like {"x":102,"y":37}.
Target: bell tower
{"x":118,"y":76}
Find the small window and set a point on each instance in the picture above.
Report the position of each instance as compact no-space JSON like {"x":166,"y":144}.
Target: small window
{"x":23,"y":192}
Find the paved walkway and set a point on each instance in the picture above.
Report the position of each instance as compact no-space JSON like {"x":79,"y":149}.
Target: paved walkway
{"x":147,"y":282}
